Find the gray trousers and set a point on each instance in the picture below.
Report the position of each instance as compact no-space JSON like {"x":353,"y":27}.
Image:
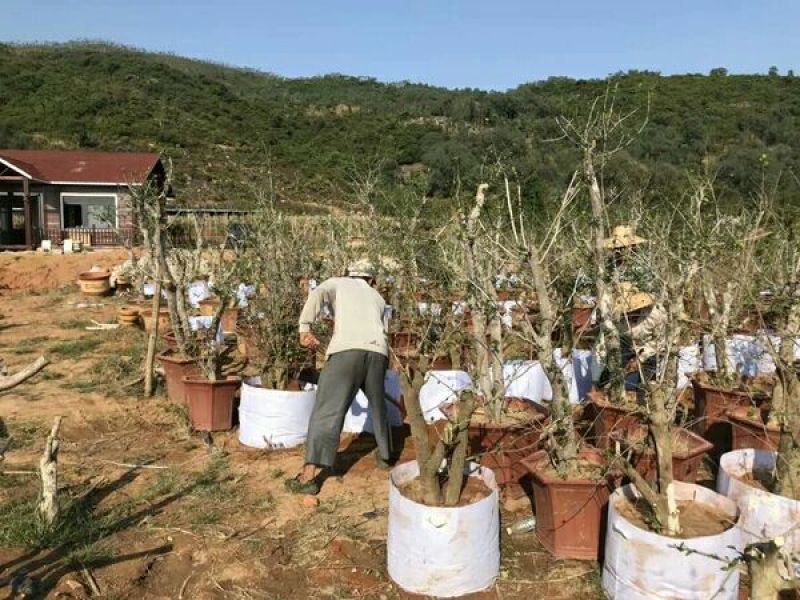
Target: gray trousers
{"x":344,"y":374}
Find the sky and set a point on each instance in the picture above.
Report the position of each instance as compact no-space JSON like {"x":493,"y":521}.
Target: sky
{"x":487,"y":44}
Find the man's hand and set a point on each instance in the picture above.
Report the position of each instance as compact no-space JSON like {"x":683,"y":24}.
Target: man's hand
{"x":309,"y":340}
{"x":632,"y":366}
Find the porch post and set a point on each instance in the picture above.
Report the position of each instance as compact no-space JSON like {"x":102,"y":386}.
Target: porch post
{"x":26,"y":197}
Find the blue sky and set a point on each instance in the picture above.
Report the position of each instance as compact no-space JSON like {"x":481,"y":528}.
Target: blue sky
{"x":489,"y":44}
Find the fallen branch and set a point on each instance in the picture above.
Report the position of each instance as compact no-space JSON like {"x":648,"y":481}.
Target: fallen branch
{"x":132,"y":465}
{"x":91,"y":580}
{"x":9,"y":381}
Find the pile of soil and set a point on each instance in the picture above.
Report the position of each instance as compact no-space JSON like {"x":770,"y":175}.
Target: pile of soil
{"x":473,"y":490}
{"x":641,"y":437}
{"x":584,"y":471}
{"x":515,"y":414}
{"x":697,"y":519}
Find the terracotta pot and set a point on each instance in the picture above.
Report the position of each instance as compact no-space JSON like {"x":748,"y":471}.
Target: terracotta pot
{"x":164,"y":322}
{"x":751,"y":430}
{"x":128,"y":316}
{"x":177,"y":367}
{"x":502,"y":449}
{"x":608,"y":419}
{"x":685,"y":464}
{"x":94,"y":283}
{"x":570,"y":514}
{"x":211,"y":402}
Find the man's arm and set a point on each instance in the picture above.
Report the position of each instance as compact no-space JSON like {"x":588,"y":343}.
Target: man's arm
{"x":325,"y":292}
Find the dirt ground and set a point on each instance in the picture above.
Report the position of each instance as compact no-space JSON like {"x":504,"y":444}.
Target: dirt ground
{"x":188,"y":524}
{"x":38,"y":271}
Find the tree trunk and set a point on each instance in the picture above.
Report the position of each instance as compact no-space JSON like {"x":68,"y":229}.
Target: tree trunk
{"x":660,"y":430}
{"x":48,"y":472}
{"x":152,"y":338}
{"x":561,"y":410}
{"x":786,"y":411}
{"x":9,"y":381}
{"x":604,"y":297}
{"x":455,"y":475}
{"x":411,"y":380}
{"x":768,"y":575}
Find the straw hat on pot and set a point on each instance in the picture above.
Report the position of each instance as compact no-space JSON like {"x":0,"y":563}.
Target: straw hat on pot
{"x":629,"y":299}
{"x":623,"y":236}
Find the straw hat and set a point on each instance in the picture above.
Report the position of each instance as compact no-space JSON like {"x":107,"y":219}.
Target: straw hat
{"x":629,"y":299}
{"x":622,"y":236}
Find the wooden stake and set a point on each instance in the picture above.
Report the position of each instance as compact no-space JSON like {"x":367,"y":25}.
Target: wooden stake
{"x":48,"y":472}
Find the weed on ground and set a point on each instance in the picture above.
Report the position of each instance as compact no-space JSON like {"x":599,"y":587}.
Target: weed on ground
{"x":74,"y":349}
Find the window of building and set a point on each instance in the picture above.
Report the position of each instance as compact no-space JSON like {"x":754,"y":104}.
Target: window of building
{"x":86,"y":210}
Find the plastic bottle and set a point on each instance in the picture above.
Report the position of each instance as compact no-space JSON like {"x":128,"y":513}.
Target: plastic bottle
{"x":522,"y":526}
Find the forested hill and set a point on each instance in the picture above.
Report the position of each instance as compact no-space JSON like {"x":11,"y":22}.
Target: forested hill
{"x":232,"y":130}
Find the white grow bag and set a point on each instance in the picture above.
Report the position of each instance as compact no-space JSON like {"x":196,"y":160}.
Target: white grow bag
{"x":358,"y":418}
{"x":641,"y":565}
{"x":765,"y":516}
{"x":438,"y":551}
{"x":273,"y":418}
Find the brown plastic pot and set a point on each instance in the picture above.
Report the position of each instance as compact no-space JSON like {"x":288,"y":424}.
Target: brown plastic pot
{"x":207,"y":307}
{"x":128,"y":316}
{"x":176,"y":367}
{"x":403,"y":343}
{"x":685,"y":464}
{"x":94,"y":283}
{"x":170,"y":339}
{"x":712,"y":403}
{"x":211,"y":402}
{"x":751,"y":430}
{"x":608,"y":420}
{"x":582,"y":317}
{"x":163,"y":319}
{"x":711,"y":407}
{"x":502,"y":449}
{"x":228,"y":320}
{"x":570,"y":514}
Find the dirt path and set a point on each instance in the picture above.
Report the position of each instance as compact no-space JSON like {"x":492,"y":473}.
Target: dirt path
{"x":208,"y":526}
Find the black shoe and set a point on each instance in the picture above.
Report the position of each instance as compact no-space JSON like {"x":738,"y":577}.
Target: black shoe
{"x":295,"y":486}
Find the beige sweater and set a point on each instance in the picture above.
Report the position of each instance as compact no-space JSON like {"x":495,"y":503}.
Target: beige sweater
{"x":357,"y":311}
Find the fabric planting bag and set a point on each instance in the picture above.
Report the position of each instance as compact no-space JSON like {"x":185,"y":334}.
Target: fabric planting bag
{"x":271,"y":418}
{"x":442,"y":551}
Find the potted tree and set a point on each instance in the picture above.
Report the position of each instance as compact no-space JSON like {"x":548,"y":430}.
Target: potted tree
{"x":440,"y":487}
{"x":210,"y":394}
{"x":723,"y":244}
{"x":275,"y":409}
{"x":762,"y":480}
{"x":571,"y":483}
{"x":647,"y":516}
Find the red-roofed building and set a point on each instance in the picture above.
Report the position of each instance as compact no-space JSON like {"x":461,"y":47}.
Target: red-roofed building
{"x":83,"y":195}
